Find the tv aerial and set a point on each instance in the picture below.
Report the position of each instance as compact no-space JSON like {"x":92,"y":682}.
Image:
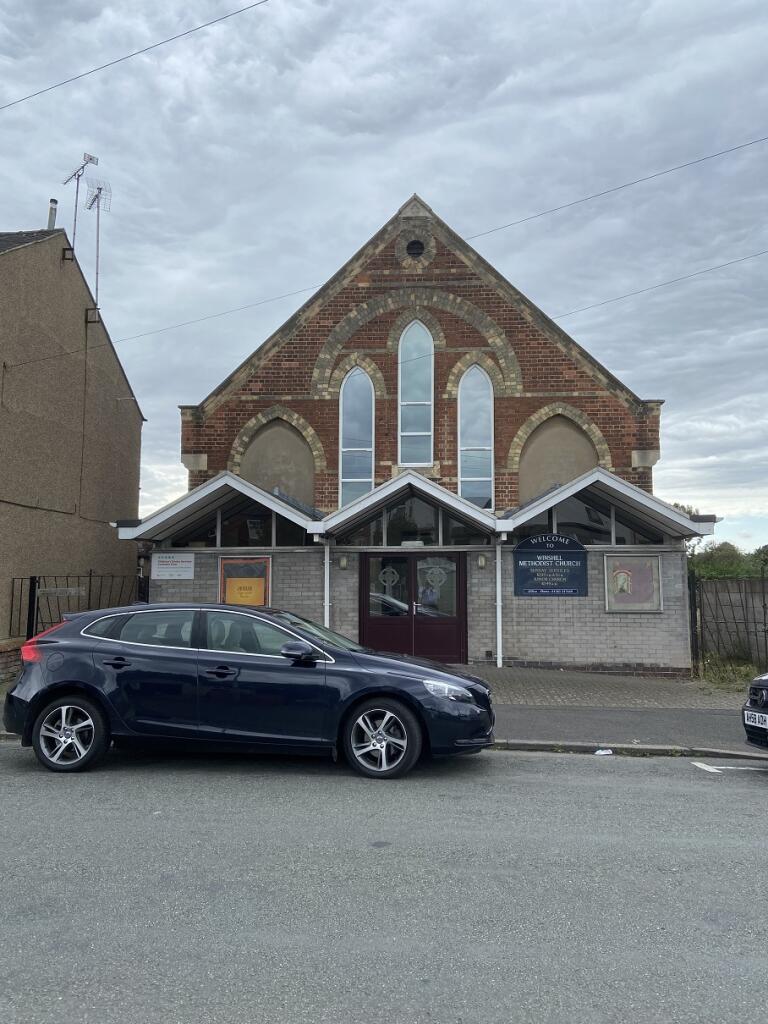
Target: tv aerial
{"x":99,"y":196}
{"x":77,"y":175}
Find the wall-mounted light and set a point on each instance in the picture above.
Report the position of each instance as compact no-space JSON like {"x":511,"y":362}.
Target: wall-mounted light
{"x":343,"y":561}
{"x":482,"y":561}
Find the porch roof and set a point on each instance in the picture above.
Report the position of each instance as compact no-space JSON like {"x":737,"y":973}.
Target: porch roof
{"x":623,"y":495}
{"x":409,"y":483}
{"x":217,"y":493}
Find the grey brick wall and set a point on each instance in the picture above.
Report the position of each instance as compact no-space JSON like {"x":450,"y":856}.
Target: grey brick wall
{"x":481,"y":607}
{"x":344,"y":594}
{"x":297,"y":580}
{"x":577,"y":631}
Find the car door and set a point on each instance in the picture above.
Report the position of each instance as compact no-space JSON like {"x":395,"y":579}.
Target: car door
{"x":149,"y":671}
{"x":248,"y":691}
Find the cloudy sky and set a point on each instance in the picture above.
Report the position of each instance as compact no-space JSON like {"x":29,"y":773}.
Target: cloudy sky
{"x":253,"y":158}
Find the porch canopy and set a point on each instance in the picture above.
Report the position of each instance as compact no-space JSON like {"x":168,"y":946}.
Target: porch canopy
{"x":622,"y":501}
{"x":225,"y":493}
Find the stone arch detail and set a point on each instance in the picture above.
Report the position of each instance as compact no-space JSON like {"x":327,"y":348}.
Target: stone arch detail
{"x":484,"y":361}
{"x":417,"y":303}
{"x":276,"y":412}
{"x":365,"y":363}
{"x":407,"y":317}
{"x":578,"y":417}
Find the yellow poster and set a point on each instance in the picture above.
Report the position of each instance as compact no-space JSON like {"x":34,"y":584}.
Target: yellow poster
{"x":244,"y":590}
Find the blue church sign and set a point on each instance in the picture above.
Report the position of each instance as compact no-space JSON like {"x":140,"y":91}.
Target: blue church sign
{"x":550,"y":566}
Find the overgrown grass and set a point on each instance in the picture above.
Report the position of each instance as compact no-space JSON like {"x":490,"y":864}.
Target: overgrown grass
{"x":732,"y":674}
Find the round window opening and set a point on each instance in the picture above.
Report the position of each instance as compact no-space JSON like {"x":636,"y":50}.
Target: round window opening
{"x":415,"y":248}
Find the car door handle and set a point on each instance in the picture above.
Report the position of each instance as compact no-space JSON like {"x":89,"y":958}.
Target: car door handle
{"x":222,"y":672}
{"x":118,"y":662}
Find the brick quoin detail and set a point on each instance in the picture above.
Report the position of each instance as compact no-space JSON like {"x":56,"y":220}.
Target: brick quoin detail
{"x":475,"y":317}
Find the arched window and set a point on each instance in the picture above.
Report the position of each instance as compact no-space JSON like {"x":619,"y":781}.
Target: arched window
{"x":356,"y":404}
{"x":415,"y":390}
{"x":476,"y":437}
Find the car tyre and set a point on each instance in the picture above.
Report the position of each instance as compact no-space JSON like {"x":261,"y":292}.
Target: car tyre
{"x":70,"y":734}
{"x":382,"y":738}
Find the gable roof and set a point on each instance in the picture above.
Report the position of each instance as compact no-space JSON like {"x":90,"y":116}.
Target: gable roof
{"x":413,"y":483}
{"x":216,"y":493}
{"x":416,"y":212}
{"x":620,"y":493}
{"x":16,"y":239}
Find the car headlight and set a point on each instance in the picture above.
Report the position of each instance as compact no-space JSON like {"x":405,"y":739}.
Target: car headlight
{"x":451,"y":691}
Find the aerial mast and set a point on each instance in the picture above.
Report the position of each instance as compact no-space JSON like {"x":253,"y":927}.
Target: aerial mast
{"x":77,"y":175}
{"x":100,"y":196}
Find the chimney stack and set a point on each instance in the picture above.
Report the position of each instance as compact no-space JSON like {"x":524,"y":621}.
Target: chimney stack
{"x":52,"y":214}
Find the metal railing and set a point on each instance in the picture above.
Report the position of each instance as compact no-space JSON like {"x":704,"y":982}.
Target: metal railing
{"x":38,"y":602}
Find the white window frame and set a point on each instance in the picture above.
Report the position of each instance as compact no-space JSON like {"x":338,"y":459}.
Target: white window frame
{"x":430,"y":403}
{"x":342,"y":450}
{"x":461,"y":448}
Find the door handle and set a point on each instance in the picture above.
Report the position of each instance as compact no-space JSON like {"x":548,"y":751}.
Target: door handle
{"x":222,"y":672}
{"x":118,"y":662}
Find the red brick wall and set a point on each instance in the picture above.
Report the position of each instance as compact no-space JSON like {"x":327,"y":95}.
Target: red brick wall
{"x":549,"y":374}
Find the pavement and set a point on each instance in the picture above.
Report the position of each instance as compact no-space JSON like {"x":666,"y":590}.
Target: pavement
{"x":557,"y":709}
{"x":525,"y":888}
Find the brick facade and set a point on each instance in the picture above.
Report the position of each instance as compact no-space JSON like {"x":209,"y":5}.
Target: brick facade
{"x":475,"y":316}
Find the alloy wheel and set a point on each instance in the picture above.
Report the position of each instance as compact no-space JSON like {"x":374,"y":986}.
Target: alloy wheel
{"x":67,"y":734}
{"x":379,"y":740}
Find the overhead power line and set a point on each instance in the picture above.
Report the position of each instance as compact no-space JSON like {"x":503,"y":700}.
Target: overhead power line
{"x":617,"y":188}
{"x":136,"y":53}
{"x":662,"y":284}
{"x":274,"y":298}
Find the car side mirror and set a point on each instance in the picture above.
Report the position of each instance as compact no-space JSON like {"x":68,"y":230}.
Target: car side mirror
{"x":299,"y":652}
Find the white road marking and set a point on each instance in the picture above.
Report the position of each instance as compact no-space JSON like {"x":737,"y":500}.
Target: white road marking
{"x":726,"y":768}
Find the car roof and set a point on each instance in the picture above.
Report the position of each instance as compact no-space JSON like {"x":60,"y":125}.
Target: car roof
{"x":167,"y":606}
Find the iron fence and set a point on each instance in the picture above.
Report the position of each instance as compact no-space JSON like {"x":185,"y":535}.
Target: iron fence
{"x":38,"y":602}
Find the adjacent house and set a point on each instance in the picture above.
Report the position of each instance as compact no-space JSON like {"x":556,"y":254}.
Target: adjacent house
{"x":70,"y":426}
{"x":422,"y":459}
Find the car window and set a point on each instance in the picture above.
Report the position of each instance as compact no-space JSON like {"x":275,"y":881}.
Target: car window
{"x":243,"y":634}
{"x":160,"y":629}
{"x":106,"y":627}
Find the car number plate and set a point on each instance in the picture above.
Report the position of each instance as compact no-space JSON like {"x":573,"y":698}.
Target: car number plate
{"x":756,"y":718}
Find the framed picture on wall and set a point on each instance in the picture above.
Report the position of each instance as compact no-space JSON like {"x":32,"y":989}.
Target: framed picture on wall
{"x":245,"y":580}
{"x":633,"y":583}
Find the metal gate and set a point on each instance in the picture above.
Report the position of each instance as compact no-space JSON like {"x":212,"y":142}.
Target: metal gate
{"x":729,"y":619}
{"x":38,"y":602}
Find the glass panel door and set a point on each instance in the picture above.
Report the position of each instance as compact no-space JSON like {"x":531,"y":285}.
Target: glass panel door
{"x":386,"y":604}
{"x":440,"y":626}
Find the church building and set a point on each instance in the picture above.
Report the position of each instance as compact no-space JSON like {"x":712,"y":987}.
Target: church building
{"x":421,"y":459}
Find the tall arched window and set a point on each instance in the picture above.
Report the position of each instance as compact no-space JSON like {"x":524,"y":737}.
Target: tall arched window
{"x":415,"y":390}
{"x":356,"y":444}
{"x":476,"y":437}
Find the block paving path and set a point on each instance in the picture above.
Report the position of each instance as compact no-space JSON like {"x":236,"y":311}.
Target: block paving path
{"x":541,"y":687}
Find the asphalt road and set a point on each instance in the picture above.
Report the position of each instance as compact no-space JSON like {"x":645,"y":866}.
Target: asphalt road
{"x":500,"y":888}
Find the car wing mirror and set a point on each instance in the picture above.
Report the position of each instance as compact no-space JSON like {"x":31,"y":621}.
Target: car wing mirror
{"x":299,"y":652}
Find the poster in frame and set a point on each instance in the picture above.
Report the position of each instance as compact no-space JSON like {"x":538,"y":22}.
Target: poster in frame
{"x":245,"y":579}
{"x":633,"y":583}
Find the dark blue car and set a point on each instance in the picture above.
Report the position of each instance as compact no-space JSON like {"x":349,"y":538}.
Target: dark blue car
{"x":260,"y":678}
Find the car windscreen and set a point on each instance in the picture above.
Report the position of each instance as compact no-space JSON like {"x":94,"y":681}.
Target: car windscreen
{"x":314,"y":629}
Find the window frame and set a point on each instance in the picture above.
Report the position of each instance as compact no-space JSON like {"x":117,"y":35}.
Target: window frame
{"x":401,"y":403}
{"x":356,"y":370}
{"x":474,"y":448}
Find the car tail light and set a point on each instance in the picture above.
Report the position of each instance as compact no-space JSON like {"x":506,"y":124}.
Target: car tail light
{"x":30,"y":651}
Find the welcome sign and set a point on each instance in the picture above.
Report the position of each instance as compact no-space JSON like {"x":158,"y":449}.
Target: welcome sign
{"x":550,"y":566}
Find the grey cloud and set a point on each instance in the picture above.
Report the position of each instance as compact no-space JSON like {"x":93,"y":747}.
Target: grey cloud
{"x":254,"y":158}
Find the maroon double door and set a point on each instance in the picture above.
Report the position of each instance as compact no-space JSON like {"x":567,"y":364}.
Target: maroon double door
{"x":415,"y":603}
